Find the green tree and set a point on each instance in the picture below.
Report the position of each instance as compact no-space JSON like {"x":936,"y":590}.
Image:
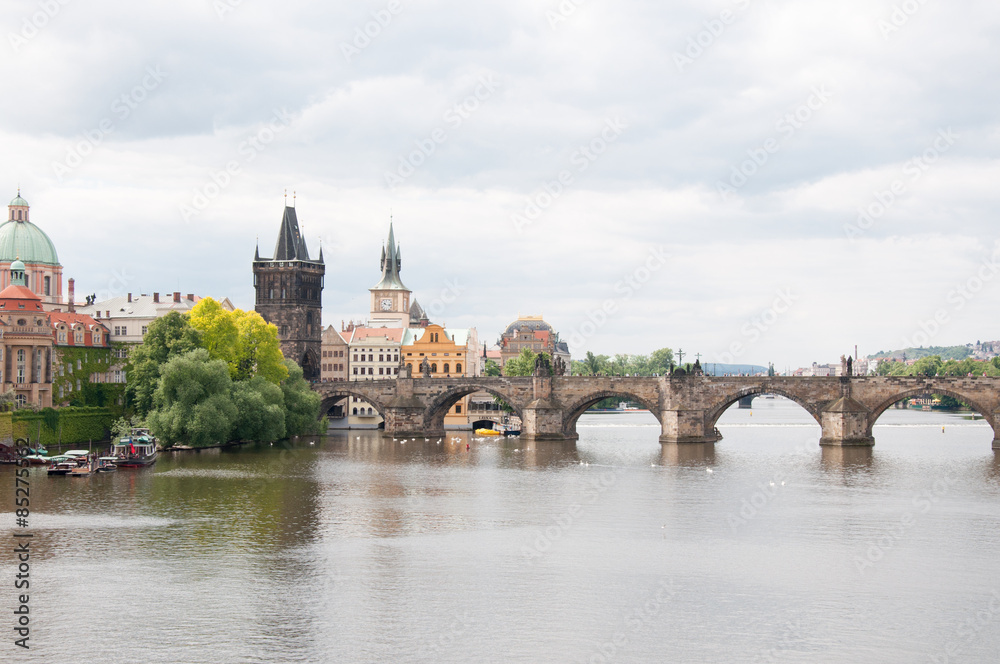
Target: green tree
{"x":167,"y":337}
{"x":260,"y":407}
{"x":524,"y":364}
{"x":492,"y":369}
{"x":660,"y":361}
{"x":596,"y":365}
{"x":242,"y":339}
{"x":926,"y":366}
{"x":193,"y":402}
{"x":301,"y":403}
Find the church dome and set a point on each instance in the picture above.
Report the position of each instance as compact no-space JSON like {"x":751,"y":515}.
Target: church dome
{"x":19,"y":201}
{"x":24,"y":240}
{"x":533,"y":323}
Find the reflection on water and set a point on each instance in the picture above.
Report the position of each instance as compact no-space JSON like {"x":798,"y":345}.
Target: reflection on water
{"x":361,"y":548}
{"x":687,"y":454}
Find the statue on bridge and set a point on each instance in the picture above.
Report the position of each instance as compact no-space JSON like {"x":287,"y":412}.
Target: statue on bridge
{"x":425,"y":368}
{"x":542,"y":367}
{"x":559,"y":368}
{"x":696,"y":369}
{"x":850,"y":366}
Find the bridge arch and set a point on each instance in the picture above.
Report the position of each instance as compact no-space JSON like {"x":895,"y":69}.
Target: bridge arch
{"x":332,"y":397}
{"x":713,"y":414}
{"x":573,"y":413}
{"x":973,"y":403}
{"x":436,"y":411}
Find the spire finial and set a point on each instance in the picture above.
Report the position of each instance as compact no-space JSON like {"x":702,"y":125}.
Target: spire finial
{"x":293,"y":198}
{"x":286,"y":196}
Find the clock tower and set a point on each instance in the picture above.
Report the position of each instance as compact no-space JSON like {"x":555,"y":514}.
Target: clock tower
{"x":390,"y":298}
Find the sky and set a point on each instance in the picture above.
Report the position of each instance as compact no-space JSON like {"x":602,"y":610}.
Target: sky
{"x":752,"y":181}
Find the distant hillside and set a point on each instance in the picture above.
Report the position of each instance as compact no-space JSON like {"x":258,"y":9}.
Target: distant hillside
{"x":946,"y":353}
{"x":713,"y":369}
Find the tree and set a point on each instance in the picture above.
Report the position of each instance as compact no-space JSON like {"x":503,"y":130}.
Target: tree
{"x":301,"y":403}
{"x":660,"y":361}
{"x":193,"y":402}
{"x":167,"y":337}
{"x":596,"y":365}
{"x":524,"y":364}
{"x":260,"y":407}
{"x":247,"y":343}
{"x":492,"y":369}
{"x":926,"y":366}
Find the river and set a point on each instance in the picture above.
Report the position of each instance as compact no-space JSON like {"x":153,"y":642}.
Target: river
{"x":353,"y":548}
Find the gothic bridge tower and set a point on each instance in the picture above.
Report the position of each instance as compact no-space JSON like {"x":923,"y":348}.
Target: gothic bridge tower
{"x":289,"y":290}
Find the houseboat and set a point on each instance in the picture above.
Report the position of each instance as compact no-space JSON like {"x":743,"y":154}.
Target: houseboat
{"x":136,"y":450}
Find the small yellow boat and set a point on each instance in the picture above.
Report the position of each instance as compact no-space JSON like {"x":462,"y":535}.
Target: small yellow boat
{"x":487,"y":432}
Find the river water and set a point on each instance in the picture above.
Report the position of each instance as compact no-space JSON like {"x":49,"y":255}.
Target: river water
{"x":353,"y":548}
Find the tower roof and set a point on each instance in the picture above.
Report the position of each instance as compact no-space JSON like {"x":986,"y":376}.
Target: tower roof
{"x":24,"y":240}
{"x":18,"y":201}
{"x":391,"y":265}
{"x":291,"y":246}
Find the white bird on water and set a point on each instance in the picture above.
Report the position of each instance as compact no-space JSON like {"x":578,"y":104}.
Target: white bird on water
{"x":708,"y":470}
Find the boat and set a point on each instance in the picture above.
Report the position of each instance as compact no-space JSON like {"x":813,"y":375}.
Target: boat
{"x":106,"y":464}
{"x":64,"y":467}
{"x":488,"y":432}
{"x":136,"y":450}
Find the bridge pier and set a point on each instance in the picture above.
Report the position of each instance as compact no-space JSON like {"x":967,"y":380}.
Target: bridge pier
{"x":845,"y":424}
{"x":686,"y":426}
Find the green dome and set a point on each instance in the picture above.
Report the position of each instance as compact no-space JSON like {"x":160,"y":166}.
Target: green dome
{"x":24,"y":240}
{"x":17,"y":266}
{"x":19,"y":201}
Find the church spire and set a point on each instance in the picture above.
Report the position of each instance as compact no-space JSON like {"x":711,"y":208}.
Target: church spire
{"x":391,"y":264}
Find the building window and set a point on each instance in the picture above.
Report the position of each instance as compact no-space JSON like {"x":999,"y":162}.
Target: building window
{"x":458,"y":409}
{"x":145,"y":328}
{"x":355,"y":371}
{"x":48,"y":285}
{"x":20,"y":399}
{"x":62,"y":335}
{"x":371,"y":371}
{"x":78,"y":336}
{"x":447,"y":368}
{"x":381,"y":358}
{"x":97,"y":338}
{"x":381,"y":371}
{"x":371,"y":358}
{"x":434,"y":368}
{"x":370,"y":412}
{"x":355,"y":411}
{"x":458,"y":368}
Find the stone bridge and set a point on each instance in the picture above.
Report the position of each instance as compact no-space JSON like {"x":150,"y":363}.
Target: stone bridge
{"x":687,"y":407}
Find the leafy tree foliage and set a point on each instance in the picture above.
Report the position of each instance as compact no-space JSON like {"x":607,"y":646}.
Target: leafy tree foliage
{"x":167,"y":337}
{"x":301,"y":403}
{"x":242,"y":339}
{"x":524,"y":364}
{"x":492,"y":369}
{"x":657,"y":363}
{"x":260,"y":407}
{"x":193,"y":402}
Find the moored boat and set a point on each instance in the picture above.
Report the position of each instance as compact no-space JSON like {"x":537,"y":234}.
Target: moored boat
{"x":137,"y":450}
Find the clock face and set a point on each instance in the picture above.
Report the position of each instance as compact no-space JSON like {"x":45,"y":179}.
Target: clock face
{"x":386,"y":304}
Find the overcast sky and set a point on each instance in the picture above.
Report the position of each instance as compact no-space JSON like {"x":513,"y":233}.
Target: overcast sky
{"x":644,"y":174}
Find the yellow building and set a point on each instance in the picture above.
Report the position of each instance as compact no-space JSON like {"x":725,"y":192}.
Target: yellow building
{"x":450,"y":354}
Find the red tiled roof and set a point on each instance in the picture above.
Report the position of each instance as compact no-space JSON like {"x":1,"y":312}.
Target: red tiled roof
{"x":15,"y":295}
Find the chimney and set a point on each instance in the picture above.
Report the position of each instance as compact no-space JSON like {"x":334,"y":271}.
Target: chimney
{"x":177,"y":296}
{"x":156,"y":298}
{"x":191,"y":297}
{"x":72,"y":290}
{"x":130,"y":297}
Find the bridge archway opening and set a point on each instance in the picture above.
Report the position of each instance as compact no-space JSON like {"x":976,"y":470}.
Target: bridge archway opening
{"x":647,"y":413}
{"x":733,"y":402}
{"x":976,"y":407}
{"x":444,"y":403}
{"x":345,"y":400}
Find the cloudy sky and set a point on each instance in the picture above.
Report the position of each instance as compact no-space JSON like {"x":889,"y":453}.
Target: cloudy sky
{"x":752,"y":180}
